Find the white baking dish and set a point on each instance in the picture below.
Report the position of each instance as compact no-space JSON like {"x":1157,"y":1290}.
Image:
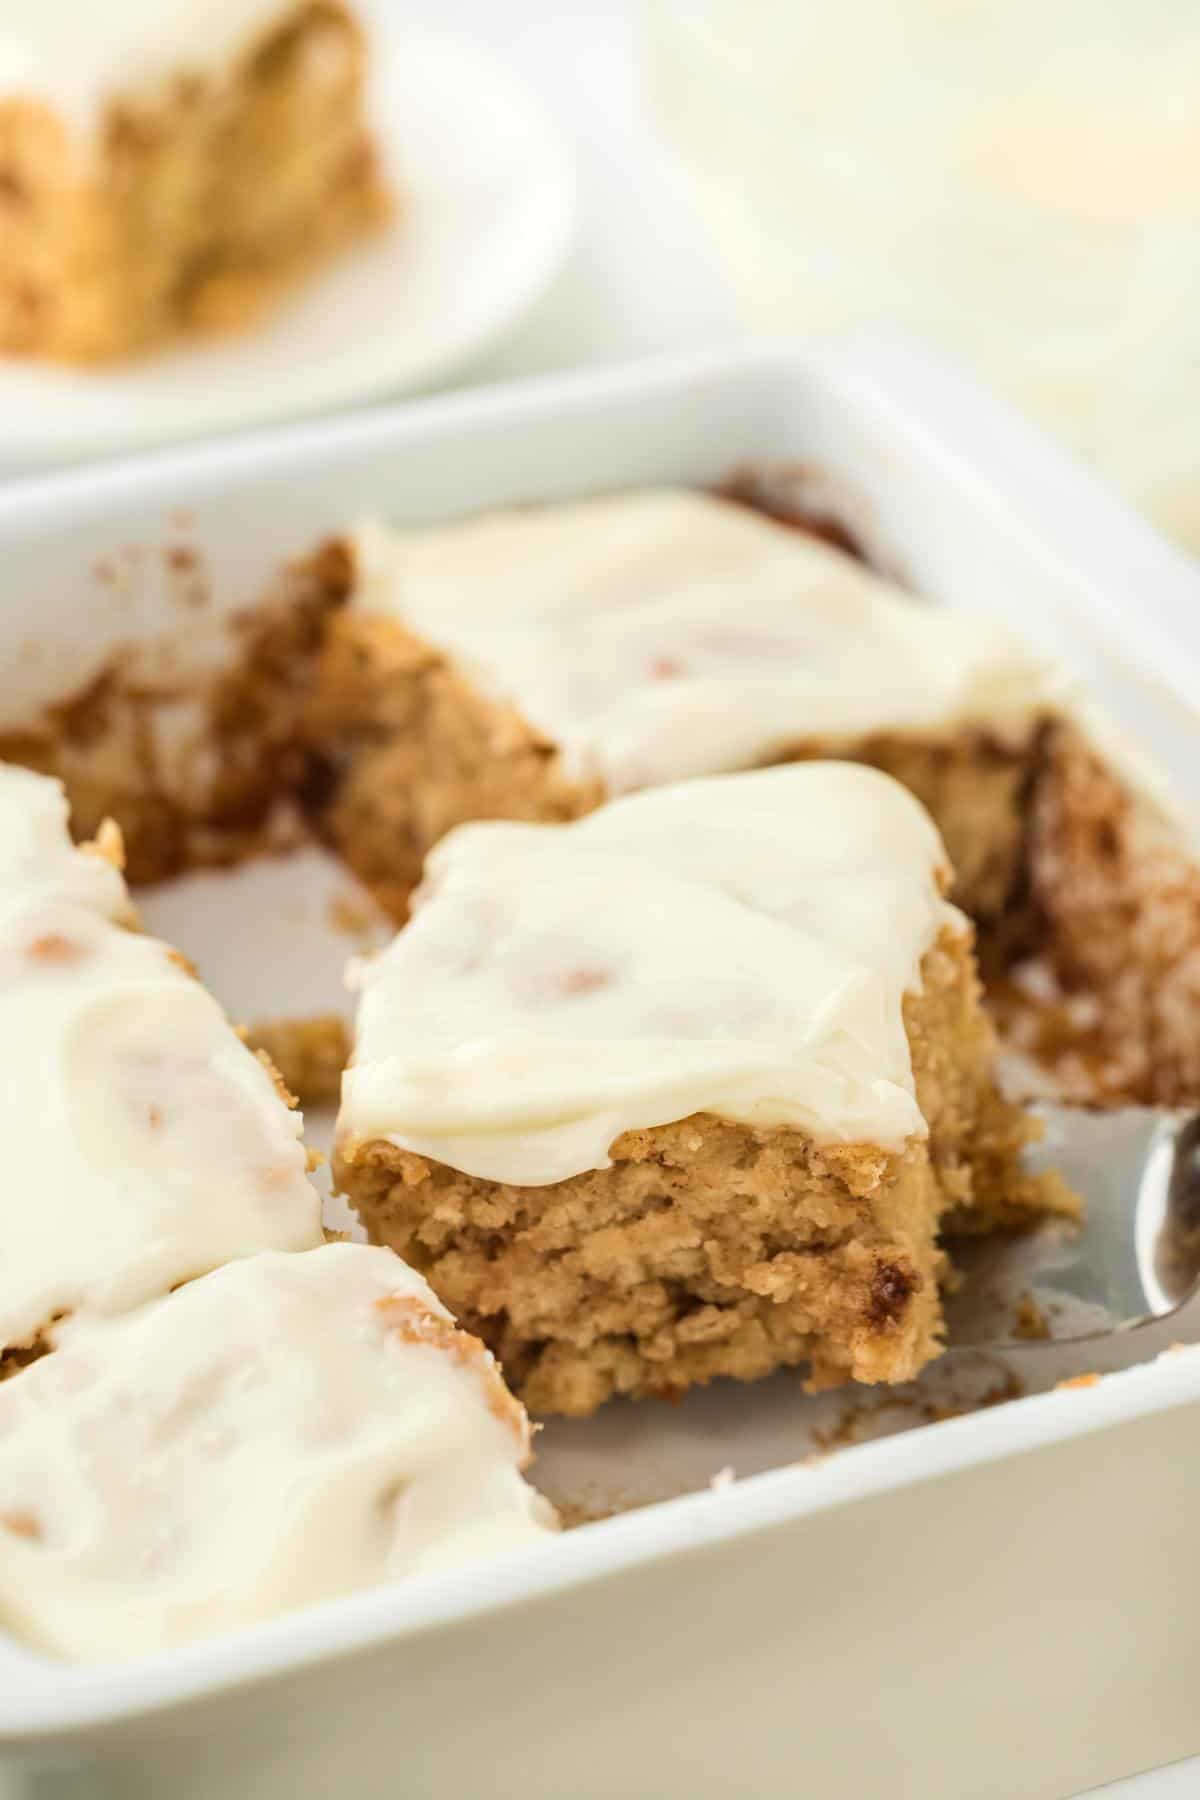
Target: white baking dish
{"x":997,"y":1605}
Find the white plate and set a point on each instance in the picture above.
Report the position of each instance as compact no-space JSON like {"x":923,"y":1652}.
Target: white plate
{"x":487,"y":217}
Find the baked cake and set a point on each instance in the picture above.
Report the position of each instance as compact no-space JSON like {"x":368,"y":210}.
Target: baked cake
{"x":686,"y":1088}
{"x":207,"y":1414}
{"x":281,"y":1431}
{"x":529,"y":664}
{"x":532,"y":662}
{"x":169,"y":168}
{"x":145,"y":1143}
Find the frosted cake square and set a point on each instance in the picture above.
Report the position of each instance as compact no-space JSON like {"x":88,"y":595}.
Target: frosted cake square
{"x":208,"y":1415}
{"x":146,"y":1143}
{"x":687,"y":1088}
{"x":282,"y":1430}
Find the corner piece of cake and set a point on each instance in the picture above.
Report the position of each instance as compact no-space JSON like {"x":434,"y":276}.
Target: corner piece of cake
{"x":687,"y":1088}
{"x":170,"y":168}
{"x":284,"y":1430}
{"x":144,"y":1143}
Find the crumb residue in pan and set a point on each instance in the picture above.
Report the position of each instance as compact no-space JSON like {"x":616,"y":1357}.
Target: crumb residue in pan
{"x":1030,"y":1322}
{"x":573,"y":1513}
{"x":973,"y":1385}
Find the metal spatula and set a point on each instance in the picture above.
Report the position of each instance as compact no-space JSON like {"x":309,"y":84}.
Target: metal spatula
{"x":1136,"y":1257}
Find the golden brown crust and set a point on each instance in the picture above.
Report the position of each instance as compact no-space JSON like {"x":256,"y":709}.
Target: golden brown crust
{"x":711,"y":1249}
{"x":197,"y":203}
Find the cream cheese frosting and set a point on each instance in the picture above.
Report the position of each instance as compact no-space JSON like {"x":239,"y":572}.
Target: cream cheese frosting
{"x":286,"y":1429}
{"x":663,"y":634}
{"x":77,"y":54}
{"x":144,"y":1143}
{"x":738,"y":945}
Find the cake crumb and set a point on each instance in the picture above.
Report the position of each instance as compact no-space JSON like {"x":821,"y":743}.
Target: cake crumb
{"x":860,"y":1421}
{"x":1077,"y":1381}
{"x":573,"y":1513}
{"x":352,"y":915}
{"x":108,"y":844}
{"x":724,"y":1478}
{"x":1030,"y":1323}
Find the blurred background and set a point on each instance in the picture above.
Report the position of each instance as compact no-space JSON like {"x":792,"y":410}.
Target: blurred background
{"x":1015,"y":182}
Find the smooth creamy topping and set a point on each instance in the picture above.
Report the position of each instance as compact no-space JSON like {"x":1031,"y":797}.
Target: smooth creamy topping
{"x":77,"y":54}
{"x":740,"y":945}
{"x":144,"y":1144}
{"x":287,"y":1429}
{"x":664,"y":634}
{"x":37,"y":858}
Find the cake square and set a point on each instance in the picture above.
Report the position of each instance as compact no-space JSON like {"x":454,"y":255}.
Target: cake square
{"x":146,"y":1143}
{"x":285,"y":1429}
{"x":530,"y":662}
{"x":687,"y":1088}
{"x":171,"y":169}
{"x":208,"y":1414}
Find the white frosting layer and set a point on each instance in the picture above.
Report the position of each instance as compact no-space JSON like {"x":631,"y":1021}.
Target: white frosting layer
{"x":143,"y":1143}
{"x":77,"y":54}
{"x":287,"y":1429}
{"x":739,"y":945}
{"x":664,"y":634}
{"x":37,"y":859}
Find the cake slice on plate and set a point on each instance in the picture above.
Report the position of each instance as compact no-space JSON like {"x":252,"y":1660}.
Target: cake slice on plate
{"x":686,"y":1088}
{"x":168,"y":168}
{"x":145,"y":1144}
